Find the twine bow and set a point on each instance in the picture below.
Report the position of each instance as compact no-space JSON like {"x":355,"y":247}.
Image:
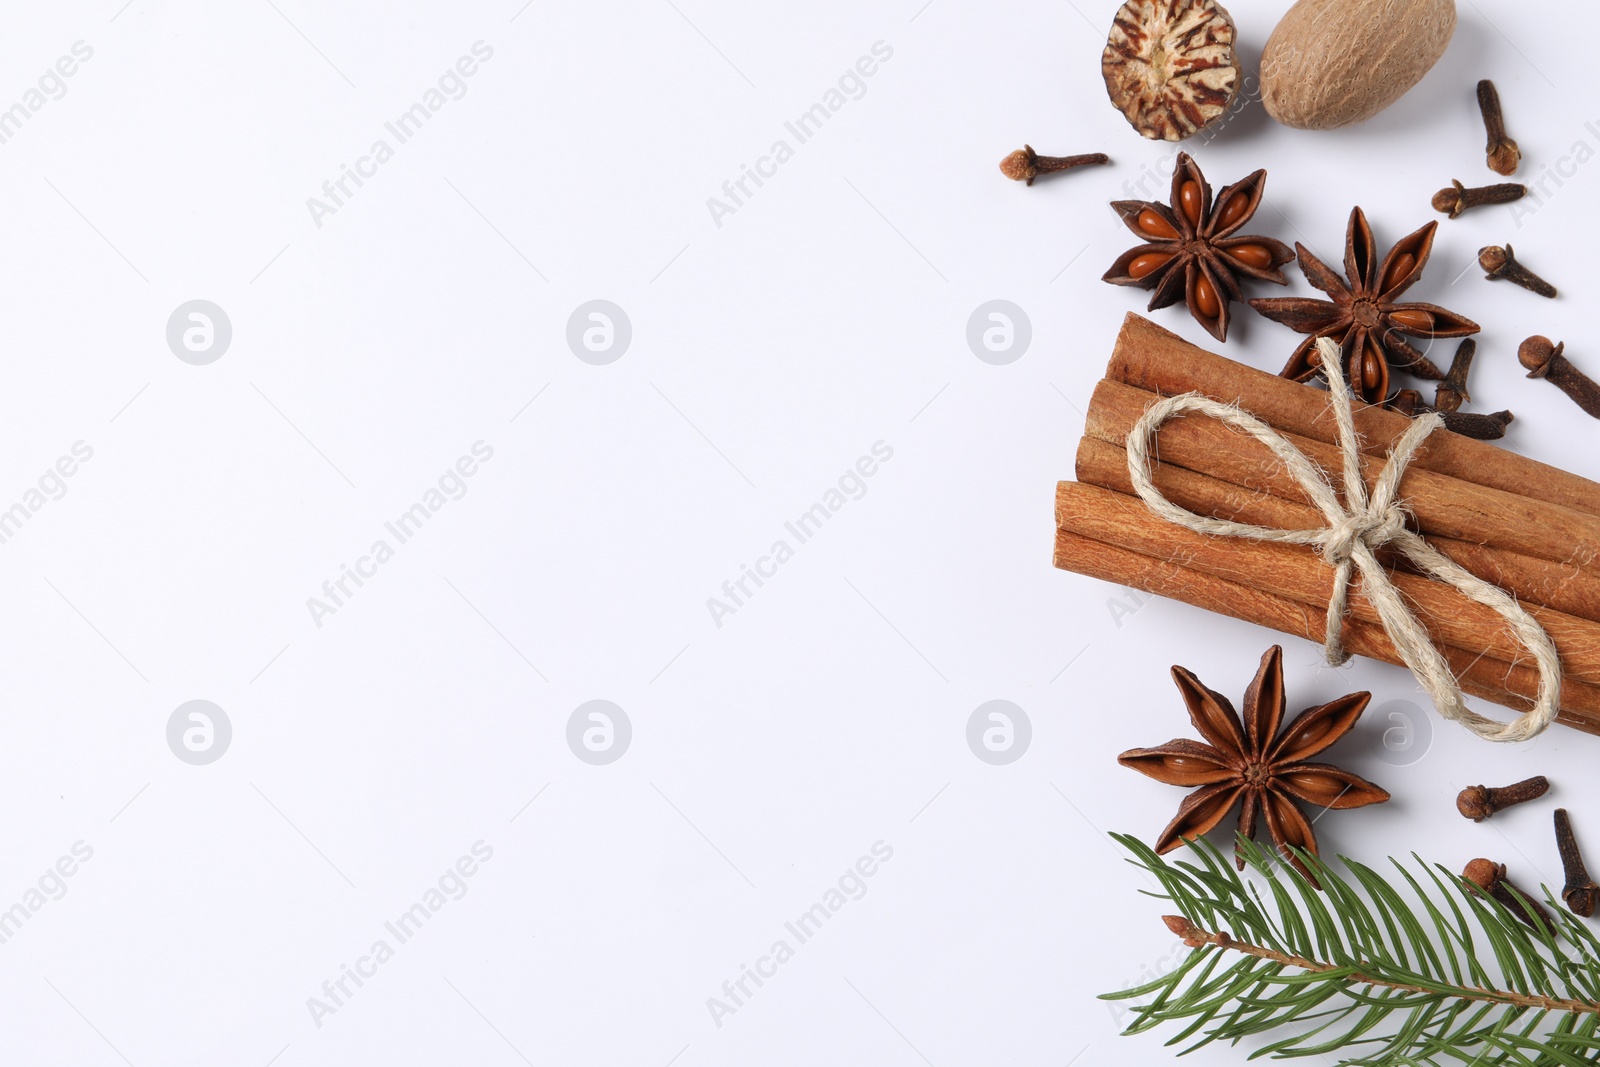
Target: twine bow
{"x":1355,"y":530}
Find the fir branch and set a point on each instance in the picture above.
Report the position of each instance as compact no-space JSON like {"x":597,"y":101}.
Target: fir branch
{"x":1359,"y":972}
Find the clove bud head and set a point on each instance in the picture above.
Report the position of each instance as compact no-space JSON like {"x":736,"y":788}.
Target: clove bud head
{"x":1485,"y":874}
{"x":1448,"y":201}
{"x":1473,"y":803}
{"x":1492,"y":258}
{"x":1490,"y":878}
{"x":1021,"y":165}
{"x":1505,"y":157}
{"x":1581,"y":899}
{"x":1536,"y":353}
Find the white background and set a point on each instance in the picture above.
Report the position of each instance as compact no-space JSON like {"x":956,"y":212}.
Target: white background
{"x":769,"y":353}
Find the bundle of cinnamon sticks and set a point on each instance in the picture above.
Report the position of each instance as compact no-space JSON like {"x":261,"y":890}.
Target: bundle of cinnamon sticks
{"x":1527,"y":527}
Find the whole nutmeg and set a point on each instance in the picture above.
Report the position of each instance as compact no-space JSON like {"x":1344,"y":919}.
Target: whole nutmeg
{"x":1170,"y":65}
{"x":1330,"y":63}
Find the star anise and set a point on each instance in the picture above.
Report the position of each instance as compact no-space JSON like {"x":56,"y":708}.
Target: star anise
{"x":1190,"y":251}
{"x":1364,"y":315}
{"x":1254,"y":764}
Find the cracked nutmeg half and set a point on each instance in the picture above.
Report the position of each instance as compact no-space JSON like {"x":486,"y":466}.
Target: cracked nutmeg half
{"x":1192,"y":251}
{"x":1253,"y":764}
{"x":1365,"y":315}
{"x":1170,"y":67}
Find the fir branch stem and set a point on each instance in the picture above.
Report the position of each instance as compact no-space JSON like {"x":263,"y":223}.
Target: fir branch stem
{"x":1194,"y":937}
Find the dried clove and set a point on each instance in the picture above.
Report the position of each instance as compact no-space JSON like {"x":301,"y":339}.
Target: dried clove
{"x":1453,"y":390}
{"x":1503,"y":154}
{"x":1478,"y":802}
{"x":1500,"y":263}
{"x":1483,"y":426}
{"x":1491,"y":878}
{"x":1447,"y":400}
{"x":1025,"y":164}
{"x":1580,"y":893}
{"x":1459,"y":198}
{"x":1544,"y":360}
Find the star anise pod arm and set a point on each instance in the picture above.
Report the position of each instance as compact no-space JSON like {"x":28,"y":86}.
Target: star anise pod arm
{"x":1180,"y":762}
{"x":1316,"y":729}
{"x":1255,"y":762}
{"x":1305,"y":314}
{"x":1328,"y":786}
{"x":1236,"y":205}
{"x":1212,"y":714}
{"x":1200,"y":813}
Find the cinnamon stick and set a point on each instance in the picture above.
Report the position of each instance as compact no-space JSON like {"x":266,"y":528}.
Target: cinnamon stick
{"x":1443,"y":506}
{"x":1149,"y":357}
{"x":1084,"y":555}
{"x":1569,"y":589}
{"x":1298,"y":573}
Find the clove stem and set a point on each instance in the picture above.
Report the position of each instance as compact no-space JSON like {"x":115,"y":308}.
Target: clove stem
{"x":1458,"y":198}
{"x":1025,"y":164}
{"x":1544,"y":360}
{"x":1580,"y":892}
{"x":1501,"y":263}
{"x":1453,"y":390}
{"x":1503,"y":155}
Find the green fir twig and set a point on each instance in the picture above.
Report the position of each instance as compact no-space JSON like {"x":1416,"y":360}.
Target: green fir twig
{"x":1359,"y":973}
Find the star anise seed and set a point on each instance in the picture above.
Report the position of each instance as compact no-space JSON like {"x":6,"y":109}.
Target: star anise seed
{"x":1191,"y":251}
{"x":1365,"y":315}
{"x":1254,"y":764}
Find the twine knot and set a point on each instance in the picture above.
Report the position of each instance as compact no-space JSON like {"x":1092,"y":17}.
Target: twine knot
{"x":1357,"y":527}
{"x":1373,"y":527}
